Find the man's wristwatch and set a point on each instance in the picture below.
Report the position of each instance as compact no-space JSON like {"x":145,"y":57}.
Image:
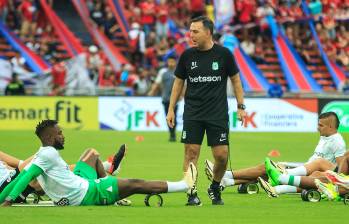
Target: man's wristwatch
{"x":241,"y":106}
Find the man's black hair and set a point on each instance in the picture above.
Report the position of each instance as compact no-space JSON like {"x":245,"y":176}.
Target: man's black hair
{"x":172,"y":56}
{"x":43,"y":125}
{"x":208,"y":24}
{"x":330,"y":114}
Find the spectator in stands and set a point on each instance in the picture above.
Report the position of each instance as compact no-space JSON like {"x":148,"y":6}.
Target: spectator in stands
{"x":246,"y":9}
{"x":264,"y":10}
{"x":330,"y":24}
{"x":315,"y":7}
{"x":15,"y":87}
{"x":94,"y":62}
{"x":137,"y":44}
{"x":161,"y":49}
{"x":197,"y":8}
{"x":97,"y":13}
{"x":344,"y":86}
{"x":147,"y":15}
{"x":162,"y":20}
{"x":19,"y":64}
{"x":142,"y":84}
{"x":259,"y":51}
{"x":110,"y":25}
{"x":106,"y":76}
{"x":275,"y":89}
{"x":248,"y":46}
{"x":58,"y":73}
{"x":342,"y":58}
{"x":28,"y":12}
{"x":3,"y":10}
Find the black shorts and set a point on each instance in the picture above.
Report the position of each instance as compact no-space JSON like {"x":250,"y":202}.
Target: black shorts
{"x":217,"y":132}
{"x":9,"y":180}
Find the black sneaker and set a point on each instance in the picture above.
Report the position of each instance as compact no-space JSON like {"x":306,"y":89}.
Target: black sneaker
{"x":215,"y":195}
{"x":193,"y":200}
{"x":117,"y":158}
{"x":172,"y":139}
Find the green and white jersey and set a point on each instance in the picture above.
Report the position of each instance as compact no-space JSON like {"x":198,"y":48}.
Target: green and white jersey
{"x":329,"y":148}
{"x":4,"y":173}
{"x":58,"y":182}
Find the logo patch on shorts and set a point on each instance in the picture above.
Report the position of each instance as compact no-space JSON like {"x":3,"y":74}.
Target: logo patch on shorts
{"x":223,"y":137}
{"x":184,"y":135}
{"x":62,"y":202}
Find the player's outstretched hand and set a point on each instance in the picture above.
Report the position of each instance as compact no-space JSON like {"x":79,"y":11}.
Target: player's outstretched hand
{"x":170,"y":118}
{"x":241,"y":116}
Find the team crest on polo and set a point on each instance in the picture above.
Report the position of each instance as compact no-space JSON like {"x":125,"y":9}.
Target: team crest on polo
{"x":214,"y":65}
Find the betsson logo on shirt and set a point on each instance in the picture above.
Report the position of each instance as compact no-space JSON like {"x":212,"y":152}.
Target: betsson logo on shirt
{"x":205,"y":79}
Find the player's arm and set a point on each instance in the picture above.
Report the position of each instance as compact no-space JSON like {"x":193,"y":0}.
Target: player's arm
{"x":239,"y":95}
{"x":156,"y":85}
{"x":154,"y":89}
{"x":22,"y":182}
{"x":339,"y":160}
{"x":176,"y":92}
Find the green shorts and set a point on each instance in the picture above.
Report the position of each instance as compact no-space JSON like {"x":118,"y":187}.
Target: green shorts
{"x":102,"y":191}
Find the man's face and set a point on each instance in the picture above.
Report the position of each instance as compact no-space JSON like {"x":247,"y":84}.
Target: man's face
{"x":324,"y":126}
{"x":58,"y":136}
{"x":199,"y":35}
{"x":171,"y":63}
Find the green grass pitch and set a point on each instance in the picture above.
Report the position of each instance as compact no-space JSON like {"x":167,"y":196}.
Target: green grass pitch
{"x":156,"y":158}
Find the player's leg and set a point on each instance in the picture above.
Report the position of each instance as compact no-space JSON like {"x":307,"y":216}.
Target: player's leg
{"x":277,"y":178}
{"x":218,"y":138}
{"x":108,"y":190}
{"x":171,"y":130}
{"x":127,"y":187}
{"x":250,"y":173}
{"x":89,"y":166}
{"x":317,"y":165}
{"x":344,"y":165}
{"x":236,"y":177}
{"x":192,"y":136}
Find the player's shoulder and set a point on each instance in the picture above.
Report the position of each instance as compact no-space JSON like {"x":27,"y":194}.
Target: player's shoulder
{"x":189,"y":51}
{"x":47,"y":152}
{"x":222,"y":49}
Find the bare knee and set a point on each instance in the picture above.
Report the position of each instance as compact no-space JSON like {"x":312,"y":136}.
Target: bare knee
{"x":317,"y":174}
{"x":91,"y":156}
{"x":221,"y":158}
{"x":324,"y":165}
{"x":192,"y":152}
{"x":93,"y":152}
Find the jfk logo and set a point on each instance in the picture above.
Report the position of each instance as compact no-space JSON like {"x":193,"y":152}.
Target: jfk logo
{"x":215,"y":66}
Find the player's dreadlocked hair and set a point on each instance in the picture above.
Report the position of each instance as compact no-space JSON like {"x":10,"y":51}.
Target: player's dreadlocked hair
{"x":40,"y":128}
{"x":330,"y":114}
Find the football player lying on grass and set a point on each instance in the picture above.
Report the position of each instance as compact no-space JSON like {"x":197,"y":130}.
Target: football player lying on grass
{"x":88,"y":184}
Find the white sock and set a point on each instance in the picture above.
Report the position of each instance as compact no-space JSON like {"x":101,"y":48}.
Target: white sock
{"x":290,"y":180}
{"x":20,"y":162}
{"x":228,"y":174}
{"x":106,"y":165}
{"x":298,"y":171}
{"x":179,"y":186}
{"x":283,"y":189}
{"x":226,"y":182}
